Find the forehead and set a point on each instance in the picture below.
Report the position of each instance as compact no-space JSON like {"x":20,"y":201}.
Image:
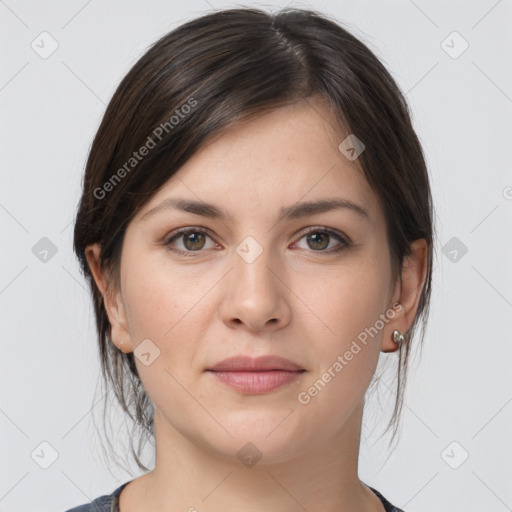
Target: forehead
{"x":286,"y":156}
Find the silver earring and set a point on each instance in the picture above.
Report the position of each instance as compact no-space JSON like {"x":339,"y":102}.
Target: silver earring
{"x":398,"y":337}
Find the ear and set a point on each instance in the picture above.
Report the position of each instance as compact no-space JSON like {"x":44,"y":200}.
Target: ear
{"x":407,"y":293}
{"x":112,"y":300}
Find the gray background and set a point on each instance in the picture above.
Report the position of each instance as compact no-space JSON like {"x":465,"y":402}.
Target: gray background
{"x":458,"y":402}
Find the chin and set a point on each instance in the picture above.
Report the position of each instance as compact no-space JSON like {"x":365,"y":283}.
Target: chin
{"x":262,"y":442}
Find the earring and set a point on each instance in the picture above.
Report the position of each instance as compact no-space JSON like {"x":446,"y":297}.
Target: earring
{"x":398,"y":337}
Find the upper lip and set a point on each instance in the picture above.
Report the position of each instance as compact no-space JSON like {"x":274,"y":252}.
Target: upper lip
{"x":250,"y":364}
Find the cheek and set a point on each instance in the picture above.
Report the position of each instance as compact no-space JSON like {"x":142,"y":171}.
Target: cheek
{"x":169,"y":309}
{"x":160,"y":300}
{"x":161,"y":310}
{"x":351,"y":300}
{"x":347,"y":347}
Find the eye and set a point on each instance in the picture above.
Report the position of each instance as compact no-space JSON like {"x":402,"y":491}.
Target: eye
{"x":193,"y":240}
{"x":319,"y":239}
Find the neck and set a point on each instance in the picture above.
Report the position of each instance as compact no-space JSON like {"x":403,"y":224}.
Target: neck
{"x":192,"y":477}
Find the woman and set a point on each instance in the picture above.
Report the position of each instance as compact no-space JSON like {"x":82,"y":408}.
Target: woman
{"x":256,"y":228}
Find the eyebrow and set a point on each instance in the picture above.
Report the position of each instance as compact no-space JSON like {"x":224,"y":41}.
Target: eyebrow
{"x":294,"y":211}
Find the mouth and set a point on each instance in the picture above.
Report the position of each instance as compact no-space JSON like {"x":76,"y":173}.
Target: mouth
{"x":256,"y":375}
{"x":258,"y":364}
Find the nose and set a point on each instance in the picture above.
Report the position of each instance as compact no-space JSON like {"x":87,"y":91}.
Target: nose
{"x":255,"y":295}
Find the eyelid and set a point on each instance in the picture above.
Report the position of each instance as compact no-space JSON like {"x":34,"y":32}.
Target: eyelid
{"x":344,"y":239}
{"x":193,"y":229}
{"x":331,"y":231}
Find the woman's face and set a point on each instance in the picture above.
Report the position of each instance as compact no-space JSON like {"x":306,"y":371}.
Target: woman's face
{"x":251,"y":282}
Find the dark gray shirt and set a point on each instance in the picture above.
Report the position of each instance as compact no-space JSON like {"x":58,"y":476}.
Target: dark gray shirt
{"x":109,"y":502}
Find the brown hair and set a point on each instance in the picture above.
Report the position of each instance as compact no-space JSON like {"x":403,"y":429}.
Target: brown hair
{"x":213,"y":72}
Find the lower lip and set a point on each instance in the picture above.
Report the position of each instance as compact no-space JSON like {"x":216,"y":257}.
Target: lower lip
{"x":257,"y":382}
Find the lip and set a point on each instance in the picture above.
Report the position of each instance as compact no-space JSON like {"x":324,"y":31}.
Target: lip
{"x":256,"y":375}
{"x":258,"y":364}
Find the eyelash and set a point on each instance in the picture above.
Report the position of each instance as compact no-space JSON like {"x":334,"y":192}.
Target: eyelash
{"x":344,"y":243}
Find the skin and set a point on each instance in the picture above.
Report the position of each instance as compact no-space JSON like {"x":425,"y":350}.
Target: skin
{"x":296,"y":300}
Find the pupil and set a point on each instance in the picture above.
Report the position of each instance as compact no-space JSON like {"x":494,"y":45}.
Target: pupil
{"x":192,"y":238}
{"x":316,"y":236}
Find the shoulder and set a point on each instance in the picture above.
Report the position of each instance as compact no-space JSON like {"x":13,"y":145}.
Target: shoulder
{"x":101,"y":504}
{"x":387,"y":505}
{"x":104,"y":503}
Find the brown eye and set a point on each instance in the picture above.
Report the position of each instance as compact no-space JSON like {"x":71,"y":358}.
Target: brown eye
{"x":187,"y":241}
{"x":192,"y":240}
{"x":318,"y":240}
